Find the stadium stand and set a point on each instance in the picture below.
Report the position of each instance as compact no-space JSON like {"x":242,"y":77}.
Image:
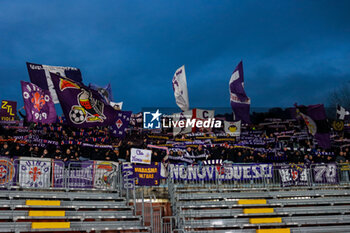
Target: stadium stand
{"x":26,"y":211}
{"x":231,"y":210}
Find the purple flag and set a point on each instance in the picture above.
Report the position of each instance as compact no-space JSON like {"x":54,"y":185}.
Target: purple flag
{"x":240,"y":102}
{"x":317,"y":125}
{"x":80,"y":175}
{"x":325,"y":173}
{"x":293,"y":175}
{"x":38,"y":104}
{"x":82,"y":106}
{"x":121,"y":123}
{"x":147,"y":175}
{"x":40,"y":75}
{"x":8,"y":111}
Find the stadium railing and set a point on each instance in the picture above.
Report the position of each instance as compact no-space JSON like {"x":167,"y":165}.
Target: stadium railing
{"x":280,"y":177}
{"x":49,"y":174}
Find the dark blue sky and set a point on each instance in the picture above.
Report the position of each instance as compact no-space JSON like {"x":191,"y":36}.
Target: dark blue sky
{"x":292,"y":51}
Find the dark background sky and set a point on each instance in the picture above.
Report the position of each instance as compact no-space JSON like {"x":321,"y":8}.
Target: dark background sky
{"x":292,"y":51}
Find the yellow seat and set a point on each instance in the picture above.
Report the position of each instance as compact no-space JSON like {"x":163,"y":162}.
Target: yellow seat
{"x":251,"y":202}
{"x":265,"y":220}
{"x":43,"y":202}
{"x":46,"y":213}
{"x":277,"y":230}
{"x":258,"y":211}
{"x":50,"y":225}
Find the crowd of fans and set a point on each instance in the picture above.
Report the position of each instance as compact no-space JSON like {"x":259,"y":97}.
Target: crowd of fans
{"x":276,"y":144}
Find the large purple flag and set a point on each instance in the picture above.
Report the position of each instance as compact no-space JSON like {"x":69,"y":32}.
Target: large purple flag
{"x":318,"y":114}
{"x":82,"y":106}
{"x":240,"y":102}
{"x":40,"y":75}
{"x":121,"y":123}
{"x":38,"y":104}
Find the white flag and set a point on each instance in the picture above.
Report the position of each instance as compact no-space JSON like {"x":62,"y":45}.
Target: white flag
{"x":118,"y":105}
{"x":342,"y":113}
{"x":203,"y":114}
{"x":311,"y":124}
{"x":180,"y":89}
{"x":182,"y":116}
{"x":232,"y":128}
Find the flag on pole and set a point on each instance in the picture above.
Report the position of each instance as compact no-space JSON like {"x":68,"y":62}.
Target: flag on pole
{"x":40,"y":76}
{"x":240,"y":102}
{"x":82,"y":106}
{"x":180,"y":89}
{"x":105,"y":92}
{"x":342,"y":113}
{"x":117,"y":105}
{"x":38,"y":104}
{"x":194,"y":114}
{"x":316,"y":120}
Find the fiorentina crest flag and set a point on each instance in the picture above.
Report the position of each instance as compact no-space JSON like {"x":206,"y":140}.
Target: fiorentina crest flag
{"x":121,"y":123}
{"x":316,"y":120}
{"x":40,"y":75}
{"x":240,"y":102}
{"x":105,"y":92}
{"x":82,"y":106}
{"x":180,"y":89}
{"x":38,"y":104}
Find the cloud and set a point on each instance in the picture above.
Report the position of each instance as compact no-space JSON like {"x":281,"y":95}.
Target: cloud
{"x":290,"y":50}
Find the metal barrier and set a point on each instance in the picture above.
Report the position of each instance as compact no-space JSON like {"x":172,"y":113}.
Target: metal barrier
{"x":168,"y":224}
{"x":102,"y":175}
{"x":38,"y":173}
{"x":267,"y":176}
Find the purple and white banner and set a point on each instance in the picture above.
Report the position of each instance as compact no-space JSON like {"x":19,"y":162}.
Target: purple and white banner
{"x":40,"y":75}
{"x":38,"y":104}
{"x":34,"y":172}
{"x":81,"y":174}
{"x":8,"y":171}
{"x":325,"y":173}
{"x":121,"y":123}
{"x":180,"y":89}
{"x":240,"y":102}
{"x":128,"y":176}
{"x":226,"y":172}
{"x":293,"y":175}
{"x":58,"y":174}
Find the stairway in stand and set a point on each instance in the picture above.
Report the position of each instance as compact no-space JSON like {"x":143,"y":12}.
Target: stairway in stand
{"x":31,"y":211}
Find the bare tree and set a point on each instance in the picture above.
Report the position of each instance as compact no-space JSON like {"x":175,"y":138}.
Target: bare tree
{"x":340,"y":96}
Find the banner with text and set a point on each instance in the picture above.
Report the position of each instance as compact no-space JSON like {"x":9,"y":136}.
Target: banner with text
{"x":34,"y":172}
{"x":226,"y":172}
{"x":140,"y":156}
